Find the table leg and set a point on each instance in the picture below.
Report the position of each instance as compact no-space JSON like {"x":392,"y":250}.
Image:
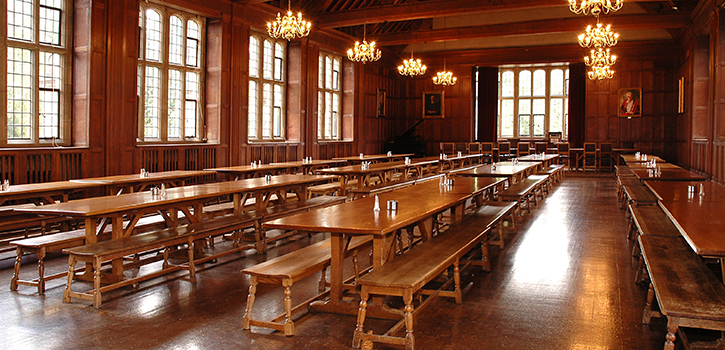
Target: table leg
{"x":117,"y":233}
{"x":336,"y":266}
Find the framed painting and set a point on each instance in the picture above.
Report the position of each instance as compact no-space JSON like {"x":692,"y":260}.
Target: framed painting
{"x":630,"y":102}
{"x":381,"y":103}
{"x":433,"y":104}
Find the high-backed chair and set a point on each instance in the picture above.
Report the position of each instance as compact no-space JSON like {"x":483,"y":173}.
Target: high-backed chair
{"x":447,"y":147}
{"x":460,"y":147}
{"x":504,"y":150}
{"x":590,"y":156}
{"x":487,"y":150}
{"x":606,"y":157}
{"x":474,"y":148}
{"x":522,"y":149}
{"x":562,"y":148}
{"x":540,"y":147}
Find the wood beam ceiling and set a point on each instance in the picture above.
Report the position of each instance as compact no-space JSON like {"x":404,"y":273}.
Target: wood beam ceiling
{"x":643,"y":21}
{"x":421,"y":10}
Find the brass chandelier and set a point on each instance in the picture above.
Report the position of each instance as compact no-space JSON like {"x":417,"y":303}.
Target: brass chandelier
{"x":600,"y":61}
{"x":289,"y":27}
{"x":364,"y":52}
{"x":445,"y":77}
{"x":595,"y":7}
{"x":599,"y":36}
{"x":412,"y":67}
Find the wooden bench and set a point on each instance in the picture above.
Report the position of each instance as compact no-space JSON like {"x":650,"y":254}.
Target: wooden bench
{"x":330,"y":188}
{"x":165,"y":239}
{"x":381,"y":188}
{"x":524,"y":192}
{"x":630,"y":180}
{"x":554,"y":171}
{"x":409,"y":273}
{"x":292,"y":267}
{"x":493,"y":214}
{"x":688,"y":293}
{"x":649,"y":221}
{"x":41,"y":245}
{"x":638,"y":195}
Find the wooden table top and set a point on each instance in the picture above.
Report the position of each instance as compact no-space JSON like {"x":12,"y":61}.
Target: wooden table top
{"x":314,"y":162}
{"x":701,"y":223}
{"x":537,"y":157}
{"x":668,"y":175}
{"x":630,"y":158}
{"x":357,"y":217}
{"x":248,"y":169}
{"x":678,"y":191}
{"x":135,"y":178}
{"x":45,"y":187}
{"x":358,"y":169}
{"x":502,"y":169}
{"x":648,"y":166}
{"x":369,"y":157}
{"x":100,"y":206}
{"x":473,"y":185}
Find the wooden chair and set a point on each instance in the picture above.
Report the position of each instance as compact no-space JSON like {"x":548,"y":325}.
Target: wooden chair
{"x":590,"y":156}
{"x":540,"y":147}
{"x":474,"y":148}
{"x":460,"y":147}
{"x":487,"y":150}
{"x":606,"y":156}
{"x":523,"y":149}
{"x":562,"y":148}
{"x":504,"y":150}
{"x":447,"y":147}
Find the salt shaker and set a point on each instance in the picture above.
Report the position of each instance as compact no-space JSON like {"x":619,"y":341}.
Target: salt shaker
{"x":376,"y":207}
{"x":6,"y":185}
{"x":702,"y":189}
{"x":162,"y":191}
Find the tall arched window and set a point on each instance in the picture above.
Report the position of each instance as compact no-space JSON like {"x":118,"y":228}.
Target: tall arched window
{"x":267,"y":88}
{"x":170,"y":75}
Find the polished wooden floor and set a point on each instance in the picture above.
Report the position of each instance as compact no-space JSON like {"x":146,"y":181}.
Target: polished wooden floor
{"x":565,"y":281}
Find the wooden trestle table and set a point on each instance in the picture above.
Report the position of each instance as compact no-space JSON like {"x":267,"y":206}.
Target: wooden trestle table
{"x":136,"y":183}
{"x":188,"y":200}
{"x":668,"y":174}
{"x":44,"y":193}
{"x":374,"y":158}
{"x":514,"y":172}
{"x":417,"y":205}
{"x":545,"y":160}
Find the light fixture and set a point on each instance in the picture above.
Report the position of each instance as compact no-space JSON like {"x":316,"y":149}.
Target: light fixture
{"x":599,"y":36}
{"x":600,"y":72}
{"x":364,"y":52}
{"x":601,"y":62}
{"x":445,"y":77}
{"x":289,"y":27}
{"x":412,"y":67}
{"x":595,"y":7}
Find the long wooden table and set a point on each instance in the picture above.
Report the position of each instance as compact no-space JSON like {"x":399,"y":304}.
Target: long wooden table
{"x":137,"y":182}
{"x":416,"y":206}
{"x":46,"y":192}
{"x":678,"y":191}
{"x":545,"y":160}
{"x":631,"y":158}
{"x":248,"y":171}
{"x":374,"y":158}
{"x":668,"y":175}
{"x":188,"y":200}
{"x":364,"y":175}
{"x":308,"y":167}
{"x":515,"y":172}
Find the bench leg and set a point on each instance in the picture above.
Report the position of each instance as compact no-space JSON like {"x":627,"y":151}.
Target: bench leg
{"x":289,"y":326}
{"x":356,"y":265}
{"x":97,"y":283}
{"x":192,"y":266}
{"x":648,"y":306}
{"x":323,"y":280}
{"x":408,"y":310}
{"x":357,"y":336}
{"x":16,"y":271}
{"x":638,"y":273}
{"x":246,"y":320}
{"x":672,"y":326}
{"x":41,"y":271}
{"x":457,"y":282}
{"x":71,"y":273}
{"x":486,"y":263}
{"x":260,"y":237}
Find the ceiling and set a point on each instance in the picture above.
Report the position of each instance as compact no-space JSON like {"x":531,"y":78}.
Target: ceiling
{"x":444,"y":25}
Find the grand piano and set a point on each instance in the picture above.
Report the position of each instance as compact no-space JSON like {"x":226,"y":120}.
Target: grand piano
{"x":408,"y":142}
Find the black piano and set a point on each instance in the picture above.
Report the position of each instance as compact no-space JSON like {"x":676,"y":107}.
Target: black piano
{"x":408,"y":142}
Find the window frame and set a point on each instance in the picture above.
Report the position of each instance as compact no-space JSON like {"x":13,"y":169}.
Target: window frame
{"x":277,"y":108}
{"x":64,"y":93}
{"x":518,"y":98}
{"x":323,"y":92}
{"x":165,"y":67}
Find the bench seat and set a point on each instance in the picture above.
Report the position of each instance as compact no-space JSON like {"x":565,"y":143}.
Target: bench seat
{"x":330,"y":188}
{"x":493,"y":214}
{"x":524,"y":192}
{"x":289,"y":268}
{"x":688,"y":292}
{"x":165,"y":239}
{"x":639,"y":195}
{"x":407,"y":275}
{"x":381,"y":188}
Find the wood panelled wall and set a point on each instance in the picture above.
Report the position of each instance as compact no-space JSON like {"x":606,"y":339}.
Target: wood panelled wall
{"x":651,"y":132}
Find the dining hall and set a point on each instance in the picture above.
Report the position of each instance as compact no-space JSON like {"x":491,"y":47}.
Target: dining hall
{"x":363,"y":174}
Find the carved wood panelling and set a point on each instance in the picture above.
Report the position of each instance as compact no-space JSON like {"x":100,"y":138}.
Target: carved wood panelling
{"x":699,"y":155}
{"x":171,"y":160}
{"x":71,"y":166}
{"x":7,"y":168}
{"x":718,"y":161}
